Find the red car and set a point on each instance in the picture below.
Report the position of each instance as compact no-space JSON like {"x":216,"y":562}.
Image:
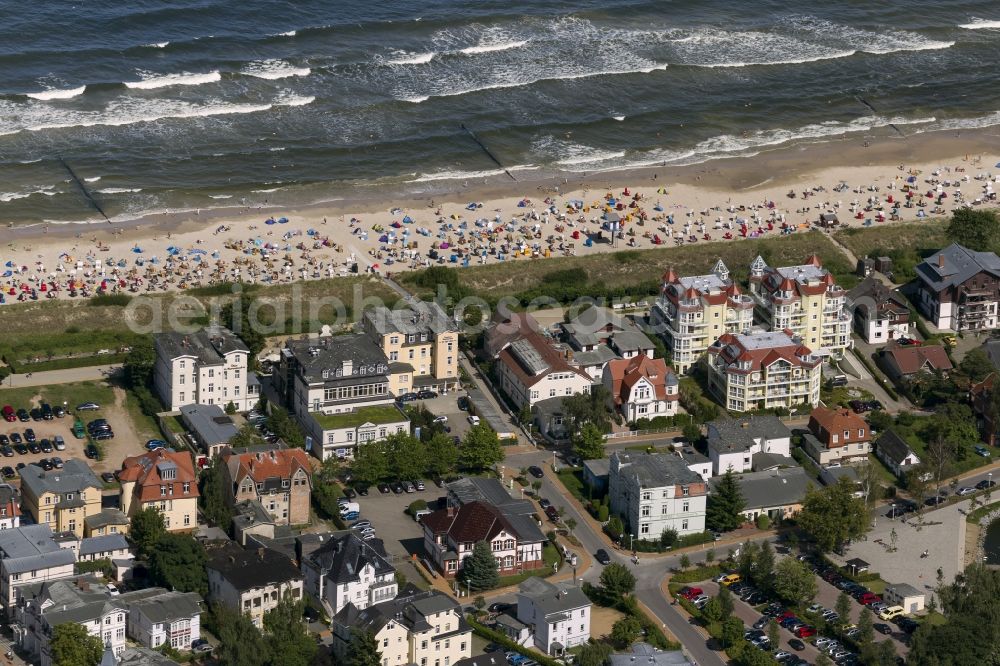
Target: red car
{"x":690,"y":593}
{"x":8,"y":414}
{"x":805,"y":631}
{"x":784,"y":616}
{"x":868,"y":598}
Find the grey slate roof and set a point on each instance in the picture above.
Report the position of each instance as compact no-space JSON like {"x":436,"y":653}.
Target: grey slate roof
{"x":598,"y":467}
{"x":418,"y":317}
{"x":168,"y":606}
{"x":519,"y":513}
{"x":631,"y":340}
{"x":79,"y":599}
{"x":644,"y":654}
{"x":75,"y":476}
{"x":656,"y":470}
{"x":313,"y":356}
{"x":552,"y":599}
{"x":892,"y":446}
{"x":102,"y":544}
{"x":208,"y":345}
{"x":600,"y":355}
{"x":140,"y":656}
{"x":780,"y":487}
{"x":960,"y":264}
{"x":210,"y":423}
{"x":106,"y":517}
{"x":489,"y":659}
{"x":739,"y":434}
{"x":904,"y":590}
{"x":409,"y":609}
{"x":247,"y":569}
{"x":345,"y":555}
{"x":764,"y":461}
{"x":31,"y":548}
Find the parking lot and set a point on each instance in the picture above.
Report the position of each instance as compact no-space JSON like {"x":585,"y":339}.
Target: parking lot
{"x":447,"y":405}
{"x":401,"y":535}
{"x":125,"y":443}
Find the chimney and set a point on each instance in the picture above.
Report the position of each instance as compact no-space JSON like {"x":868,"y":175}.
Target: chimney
{"x":940,"y":260}
{"x":260,"y":554}
{"x":451,"y":511}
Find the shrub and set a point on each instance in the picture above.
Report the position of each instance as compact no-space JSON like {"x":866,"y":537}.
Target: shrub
{"x":109,"y":299}
{"x":603,"y":513}
{"x":417,"y":505}
{"x":763,"y":522}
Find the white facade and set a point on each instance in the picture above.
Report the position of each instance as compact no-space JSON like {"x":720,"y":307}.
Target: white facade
{"x":728,"y":455}
{"x":642,"y":403}
{"x":656,"y":492}
{"x":179,"y":632}
{"x":346,"y":572}
{"x":210,"y":367}
{"x":558,"y":616}
{"x":554,"y":384}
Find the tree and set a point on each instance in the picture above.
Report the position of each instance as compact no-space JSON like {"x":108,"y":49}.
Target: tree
{"x":712,"y":611}
{"x":288,"y":640}
{"x":582,"y":408}
{"x":371,"y":463}
{"x":918,"y":483}
{"x":407,"y":456}
{"x":246,"y":438}
{"x":145,"y":529}
{"x":593,"y":654}
{"x":570,"y":524}
{"x":479,"y":602}
{"x":755,"y":658}
{"x":823,"y":660}
{"x":938,"y":457}
{"x":442,"y":455}
{"x":977,"y":230}
{"x":138,"y":365}
{"x":212,"y":495}
{"x":976,"y":365}
{"x":833,"y":515}
{"x":71,"y":645}
{"x":866,"y":628}
{"x":843,"y":606}
{"x":732,"y":631}
{"x":480,"y":570}
{"x":625,"y":631}
{"x":880,"y":654}
{"x":773,"y":633}
{"x":793,"y":581}
{"x":685,"y":561}
{"x":870,"y":482}
{"x":746,"y":560}
{"x":284,"y":426}
{"x":178,"y":563}
{"x":710,"y":556}
{"x":480,"y":448}
{"x":617,"y":581}
{"x":668,"y":537}
{"x":725,"y":505}
{"x":763,"y":521}
{"x":691,"y":433}
{"x":763,"y":567}
{"x":588,"y":444}
{"x":726,"y":603}
{"x":363,"y":650}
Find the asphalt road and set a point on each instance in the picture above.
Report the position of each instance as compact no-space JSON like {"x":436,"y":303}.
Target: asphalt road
{"x":69,"y":376}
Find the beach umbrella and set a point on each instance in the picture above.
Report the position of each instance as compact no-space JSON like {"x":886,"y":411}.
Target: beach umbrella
{"x":282,"y":220}
{"x":269,"y":220}
{"x":9,"y":264}
{"x":407,"y":220}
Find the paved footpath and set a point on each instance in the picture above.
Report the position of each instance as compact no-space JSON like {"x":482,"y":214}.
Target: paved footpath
{"x":68,"y":376}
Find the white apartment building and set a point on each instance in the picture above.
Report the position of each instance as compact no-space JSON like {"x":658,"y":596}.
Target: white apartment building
{"x":655,"y":492}
{"x":805,"y":300}
{"x":733,"y":443}
{"x":558,"y":615}
{"x":642,"y":388}
{"x":530,"y":369}
{"x":84,"y":600}
{"x":348,"y":570}
{"x":156,"y":616}
{"x":251,"y":581}
{"x":210,"y":367}
{"x":692,"y":312}
{"x":29,"y":555}
{"x":422,"y":628}
{"x":763,"y":370}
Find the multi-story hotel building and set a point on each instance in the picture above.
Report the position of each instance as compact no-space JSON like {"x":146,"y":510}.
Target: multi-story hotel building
{"x":805,"y":300}
{"x":763,"y":370}
{"x":692,"y":312}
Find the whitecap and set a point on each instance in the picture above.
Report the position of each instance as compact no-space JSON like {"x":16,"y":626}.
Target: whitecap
{"x":276,"y":149}
{"x":274,"y":69}
{"x":618,"y":118}
{"x":119,"y":190}
{"x":490,"y":48}
{"x":92,"y":180}
{"x":980,"y":24}
{"x":273,"y":189}
{"x":57,"y":94}
{"x":467,"y":175}
{"x":185,"y":79}
{"x":412,"y":58}
{"x":158,"y":45}
{"x":415,"y":100}
{"x":220,"y":196}
{"x":290,"y":33}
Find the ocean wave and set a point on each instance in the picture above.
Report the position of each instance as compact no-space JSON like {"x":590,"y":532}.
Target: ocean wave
{"x":468,"y":175}
{"x":290,"y":33}
{"x":6,"y":197}
{"x":268,"y":191}
{"x":158,"y":45}
{"x":980,"y":24}
{"x":46,"y":95}
{"x":415,"y":100}
{"x":119,"y":190}
{"x":490,"y":48}
{"x":131,"y":112}
{"x":185,"y":79}
{"x":274,"y":69}
{"x":411,"y":58}
{"x":277,"y":149}
{"x":92,"y":180}
{"x":220,"y":196}
{"x":618,"y":118}
{"x":976,"y":122}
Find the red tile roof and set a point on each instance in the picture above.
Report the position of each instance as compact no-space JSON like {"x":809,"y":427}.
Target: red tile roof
{"x":823,"y":422}
{"x":731,"y":349}
{"x":555,"y":361}
{"x":275,"y":464}
{"x":911,"y":360}
{"x":626,"y":372}
{"x":470,"y":523}
{"x":144,"y":471}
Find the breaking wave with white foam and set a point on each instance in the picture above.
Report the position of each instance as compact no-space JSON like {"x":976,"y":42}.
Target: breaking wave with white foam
{"x":153,"y":82}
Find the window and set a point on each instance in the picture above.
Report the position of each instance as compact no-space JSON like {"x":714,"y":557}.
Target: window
{"x":552,"y":393}
{"x":647,"y":495}
{"x":163,"y":491}
{"x":182,"y":396}
{"x":644,"y":528}
{"x":685,"y":507}
{"x":684,"y":524}
{"x":644,"y":511}
{"x":685,"y":491}
{"x":187,"y":487}
{"x":182,"y":378}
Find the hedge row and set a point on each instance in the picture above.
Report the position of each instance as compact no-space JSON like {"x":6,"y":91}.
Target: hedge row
{"x":502,"y":639}
{"x":705,"y":572}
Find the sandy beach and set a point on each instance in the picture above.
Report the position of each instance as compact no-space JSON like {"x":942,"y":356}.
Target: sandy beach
{"x":783,"y":191}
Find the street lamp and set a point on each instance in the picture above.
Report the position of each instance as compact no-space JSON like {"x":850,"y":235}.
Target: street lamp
{"x":631,"y":542}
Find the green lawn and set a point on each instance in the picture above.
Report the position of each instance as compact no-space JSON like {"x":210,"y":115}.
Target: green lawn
{"x":841,"y":395}
{"x":57,"y":394}
{"x":550,"y":555}
{"x":374,"y":414}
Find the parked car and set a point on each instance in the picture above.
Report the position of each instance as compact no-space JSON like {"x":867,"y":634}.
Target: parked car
{"x":408,"y":487}
{"x":805,"y":631}
{"x":397,"y":487}
{"x":984,"y":484}
{"x":154,"y":444}
{"x":88,"y":407}
{"x":46,"y":446}
{"x":59,"y":411}
{"x":46,"y":464}
{"x":796,"y":644}
{"x":349,"y":493}
{"x":602,"y":556}
{"x":104,"y":434}
{"x":907,"y":342}
{"x":544,"y":503}
{"x":201,"y":646}
{"x":7,"y":451}
{"x":552,"y":514}
{"x":29,"y":435}
{"x":108,"y":477}
{"x":536,"y":471}
{"x":34,"y":448}
{"x":965,"y":490}
{"x":9,"y":414}
{"x":463,"y":403}
{"x":91,"y":452}
{"x":891,"y":612}
{"x":883,"y":628}
{"x":934,"y":501}
{"x":441,"y":419}
{"x":407,"y":397}
{"x":689,"y":592}
{"x":59,"y":443}
{"x":426,"y":394}
{"x":36,"y":414}
{"x":21,"y":449}
{"x":982,"y":451}
{"x":700,"y":601}
{"x":47,"y":413}
{"x":8,"y":472}
{"x":500,"y":607}
{"x":473,"y":419}
{"x":23,"y":416}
